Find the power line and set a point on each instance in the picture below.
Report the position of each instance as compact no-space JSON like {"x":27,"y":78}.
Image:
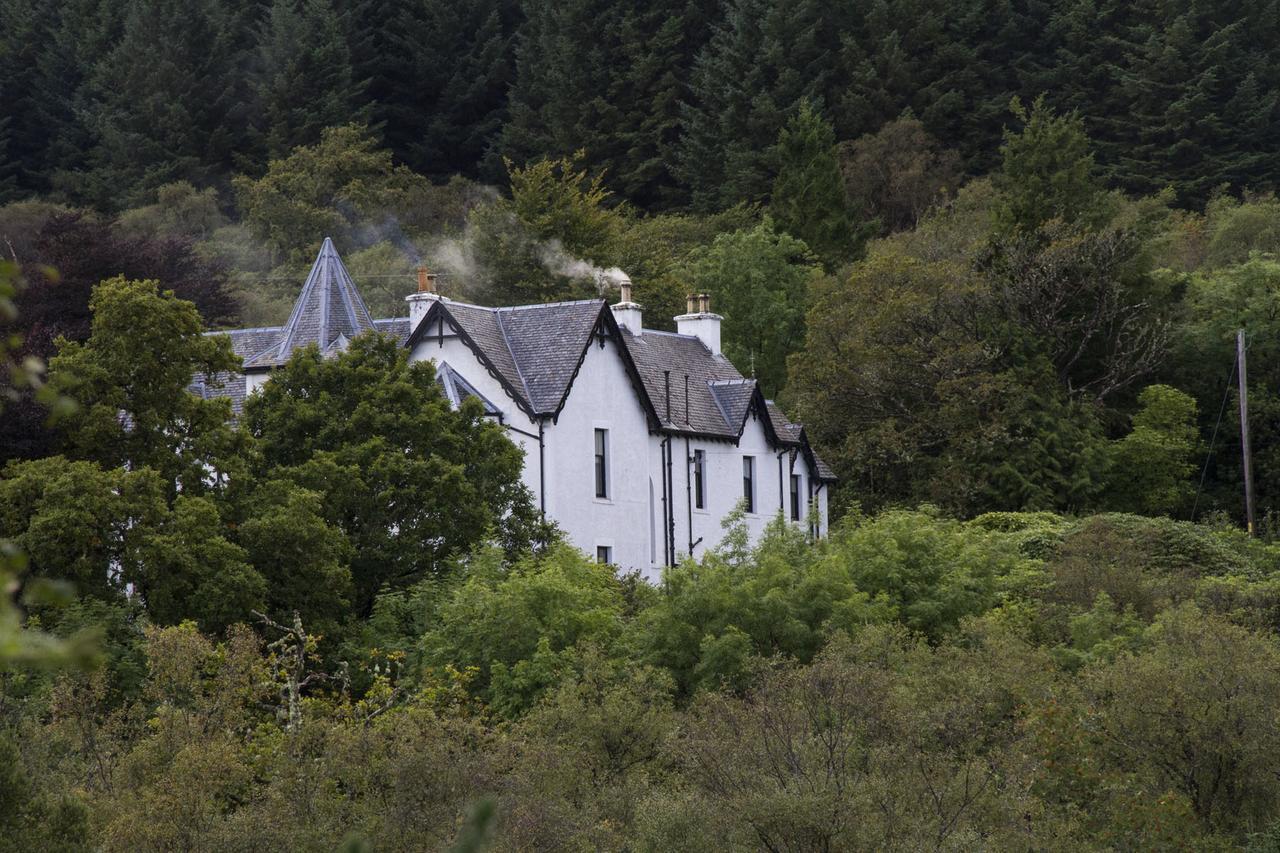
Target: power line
{"x":1204,"y":471}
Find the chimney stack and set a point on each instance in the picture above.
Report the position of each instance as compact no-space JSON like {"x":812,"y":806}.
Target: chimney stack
{"x":627,"y":313}
{"x":700,"y":322}
{"x":426,"y":280}
{"x":420,"y":301}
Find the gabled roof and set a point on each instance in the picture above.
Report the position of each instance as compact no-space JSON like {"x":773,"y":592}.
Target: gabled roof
{"x":533,"y":350}
{"x":535,"y":353}
{"x":456,"y":389}
{"x":328,"y":310}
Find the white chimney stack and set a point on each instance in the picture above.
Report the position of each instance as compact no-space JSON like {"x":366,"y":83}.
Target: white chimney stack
{"x":420,"y":301}
{"x":700,"y":322}
{"x":627,"y":313}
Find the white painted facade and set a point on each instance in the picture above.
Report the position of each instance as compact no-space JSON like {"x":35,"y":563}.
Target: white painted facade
{"x":630,"y":520}
{"x":558,"y":376}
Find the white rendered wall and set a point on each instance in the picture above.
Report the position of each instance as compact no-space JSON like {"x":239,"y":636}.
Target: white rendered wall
{"x":462,"y":359}
{"x":724,"y":489}
{"x":602,"y":397}
{"x":631,"y":519}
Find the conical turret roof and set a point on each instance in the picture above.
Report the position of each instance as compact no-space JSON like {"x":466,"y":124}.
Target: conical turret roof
{"x":328,"y":313}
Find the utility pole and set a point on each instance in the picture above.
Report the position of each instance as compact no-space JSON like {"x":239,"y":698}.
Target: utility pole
{"x":1244,"y":432}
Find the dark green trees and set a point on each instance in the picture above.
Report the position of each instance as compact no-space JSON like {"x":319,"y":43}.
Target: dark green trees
{"x":808,"y":199}
{"x":436,"y":77}
{"x":305,"y":81}
{"x":168,"y":101}
{"x":409,"y":481}
{"x":759,"y":65}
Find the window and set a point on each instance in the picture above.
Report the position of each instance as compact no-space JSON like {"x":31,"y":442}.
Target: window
{"x":795,"y":497}
{"x":700,"y":479}
{"x":604,"y":554}
{"x":602,"y":463}
{"x":749,"y":482}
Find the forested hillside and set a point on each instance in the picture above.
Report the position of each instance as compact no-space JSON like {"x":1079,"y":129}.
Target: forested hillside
{"x":679,"y":101}
{"x":993,"y":255}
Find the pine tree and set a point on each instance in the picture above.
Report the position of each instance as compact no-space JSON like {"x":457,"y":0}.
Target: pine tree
{"x":1047,"y":172}
{"x":305,"y":80}
{"x":760,"y":63}
{"x":808,"y":195}
{"x":437,"y":75}
{"x":21,"y":141}
{"x":560,"y":97}
{"x":74,"y":36}
{"x":169,"y":101}
{"x":1200,"y":102}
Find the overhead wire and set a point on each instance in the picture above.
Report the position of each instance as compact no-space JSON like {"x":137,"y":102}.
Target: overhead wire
{"x":1226,"y":395}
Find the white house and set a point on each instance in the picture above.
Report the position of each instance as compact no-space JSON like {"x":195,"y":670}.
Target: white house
{"x":637,"y":442}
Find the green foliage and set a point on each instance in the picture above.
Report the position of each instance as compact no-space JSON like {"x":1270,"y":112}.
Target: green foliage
{"x":896,"y":174}
{"x":549,"y":240}
{"x":79,"y":523}
{"x":1047,"y":171}
{"x":333,"y":188}
{"x":409,"y":481}
{"x":180,"y":210}
{"x":808,"y":198}
{"x":519,"y":625}
{"x":305,"y":81}
{"x":759,"y":280}
{"x":781,"y":597}
{"x":931,"y":571}
{"x":191,"y":570}
{"x":1153,"y":466}
{"x":129,"y":381}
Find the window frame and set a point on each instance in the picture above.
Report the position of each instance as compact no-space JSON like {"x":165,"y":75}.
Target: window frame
{"x":604,"y":555}
{"x":749,"y":484}
{"x":699,"y":479}
{"x":601,"y":463}
{"x":796,"y":512}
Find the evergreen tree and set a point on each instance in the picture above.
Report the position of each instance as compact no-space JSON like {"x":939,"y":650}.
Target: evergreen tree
{"x":1199,"y":104}
{"x":560,"y":96}
{"x":20,"y":141}
{"x":808,"y":199}
{"x":758,"y":66}
{"x":304,"y":81}
{"x":437,"y":76}
{"x":609,"y":78}
{"x":169,"y":102}
{"x":1047,"y":172}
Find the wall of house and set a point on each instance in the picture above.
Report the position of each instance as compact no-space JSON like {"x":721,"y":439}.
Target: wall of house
{"x":461,"y":358}
{"x":601,"y":397}
{"x":631,"y":520}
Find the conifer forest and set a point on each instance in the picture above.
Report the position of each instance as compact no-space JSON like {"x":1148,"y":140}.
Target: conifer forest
{"x":1013,"y":264}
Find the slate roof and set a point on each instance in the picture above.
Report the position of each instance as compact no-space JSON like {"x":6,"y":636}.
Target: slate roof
{"x":534,"y":349}
{"x":709,"y":397}
{"x":456,"y":389}
{"x":329,"y":312}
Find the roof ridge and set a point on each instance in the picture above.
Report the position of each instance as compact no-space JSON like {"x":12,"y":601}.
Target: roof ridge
{"x":665,"y":333}
{"x":560,"y":303}
{"x":506,"y":340}
{"x":236,"y":331}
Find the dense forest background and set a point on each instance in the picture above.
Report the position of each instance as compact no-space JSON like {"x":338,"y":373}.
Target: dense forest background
{"x":993,"y":255}
{"x":799,"y":161}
